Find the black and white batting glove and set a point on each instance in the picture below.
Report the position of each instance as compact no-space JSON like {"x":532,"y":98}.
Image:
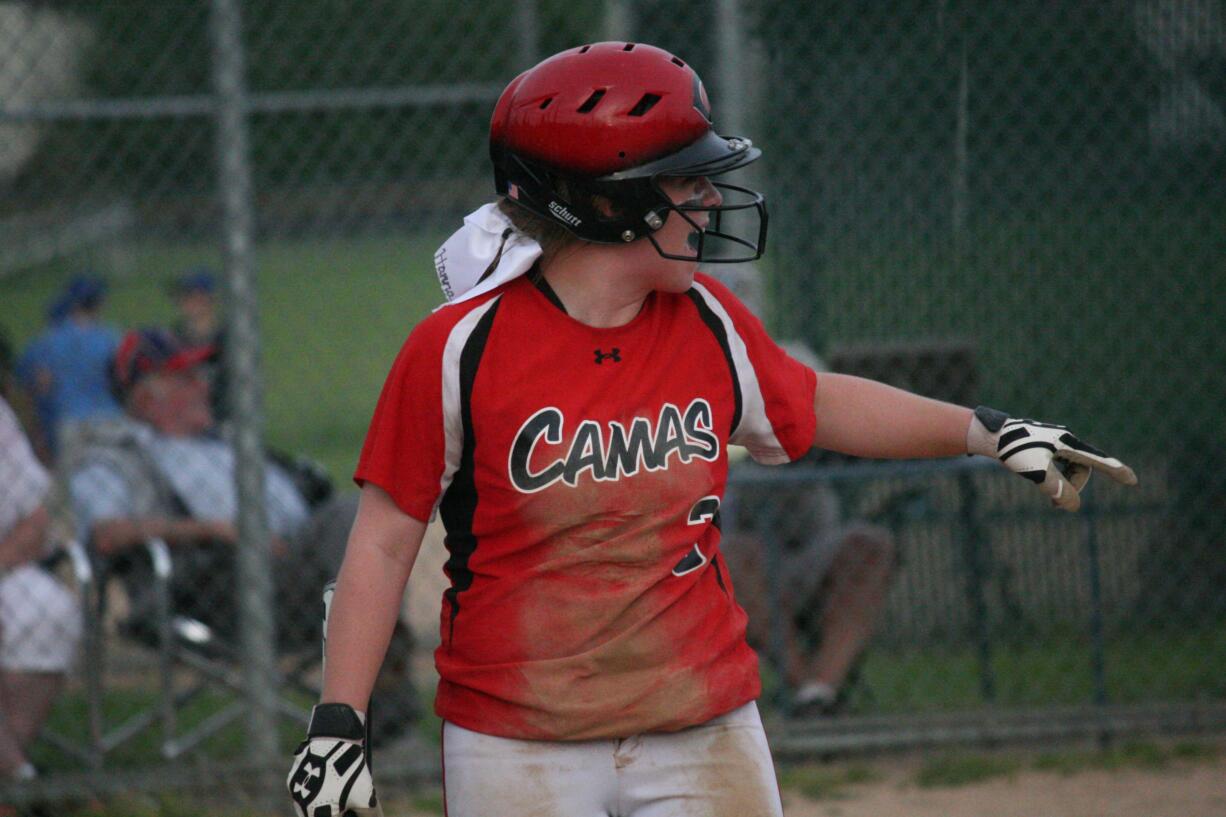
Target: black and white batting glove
{"x":331,"y":772}
{"x":1047,"y":455}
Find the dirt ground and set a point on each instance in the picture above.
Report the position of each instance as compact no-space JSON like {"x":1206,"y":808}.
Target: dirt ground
{"x":1181,"y":790}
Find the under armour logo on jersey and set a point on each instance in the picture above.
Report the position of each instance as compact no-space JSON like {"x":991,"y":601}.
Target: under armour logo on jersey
{"x":615,"y":356}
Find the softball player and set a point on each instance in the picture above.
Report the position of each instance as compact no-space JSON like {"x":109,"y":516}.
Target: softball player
{"x":568,"y":414}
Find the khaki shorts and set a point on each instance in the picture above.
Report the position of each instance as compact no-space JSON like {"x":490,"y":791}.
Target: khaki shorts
{"x":40,"y":622}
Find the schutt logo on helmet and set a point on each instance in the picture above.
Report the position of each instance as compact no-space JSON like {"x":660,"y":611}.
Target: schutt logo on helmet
{"x":564,"y":215}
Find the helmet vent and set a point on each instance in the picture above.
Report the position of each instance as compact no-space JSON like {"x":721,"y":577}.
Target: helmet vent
{"x":628,"y":47}
{"x":678,"y":62}
{"x":592,"y":101}
{"x":584,"y":49}
{"x":545,"y":102}
{"x":644,"y":105}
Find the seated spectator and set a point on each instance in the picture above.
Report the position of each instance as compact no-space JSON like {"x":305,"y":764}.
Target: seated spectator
{"x":65,"y":368}
{"x":162,"y":474}
{"x":199,"y":324}
{"x":834,"y":576}
{"x":833,"y":579}
{"x":40,"y":621}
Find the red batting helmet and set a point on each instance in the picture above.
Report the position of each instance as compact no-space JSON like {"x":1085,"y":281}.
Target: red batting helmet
{"x":610,"y":119}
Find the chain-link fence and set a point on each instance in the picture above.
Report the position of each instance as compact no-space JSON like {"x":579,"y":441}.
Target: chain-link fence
{"x":1018,"y":204}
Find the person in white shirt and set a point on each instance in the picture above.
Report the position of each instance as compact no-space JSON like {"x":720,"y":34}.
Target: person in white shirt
{"x":40,"y":620}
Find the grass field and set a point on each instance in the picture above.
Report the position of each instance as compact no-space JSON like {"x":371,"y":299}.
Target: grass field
{"x":1141,"y":666}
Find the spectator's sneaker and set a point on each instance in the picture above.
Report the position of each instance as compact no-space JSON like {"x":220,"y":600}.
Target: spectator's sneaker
{"x":817,"y":700}
{"x":394,"y":705}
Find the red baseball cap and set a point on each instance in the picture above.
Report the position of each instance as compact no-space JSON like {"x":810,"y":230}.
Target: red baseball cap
{"x":154,"y":350}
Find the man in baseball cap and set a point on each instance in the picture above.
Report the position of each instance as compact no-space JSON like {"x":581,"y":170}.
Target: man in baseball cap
{"x":165,"y":475}
{"x":156,"y":377}
{"x":172,"y":477}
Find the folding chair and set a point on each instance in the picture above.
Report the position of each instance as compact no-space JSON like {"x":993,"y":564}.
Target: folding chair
{"x":180,"y":642}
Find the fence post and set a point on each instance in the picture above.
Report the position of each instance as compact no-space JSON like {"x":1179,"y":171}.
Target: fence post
{"x":731,"y":76}
{"x":1098,"y":648}
{"x":975,"y":559}
{"x":242,"y":351}
{"x":618,"y":22}
{"x":528,"y":33}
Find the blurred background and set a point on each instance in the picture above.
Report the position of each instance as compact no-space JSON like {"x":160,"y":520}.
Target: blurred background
{"x":1021,"y":204}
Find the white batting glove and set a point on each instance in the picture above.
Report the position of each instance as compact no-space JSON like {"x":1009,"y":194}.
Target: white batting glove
{"x":1047,"y":455}
{"x":331,"y":772}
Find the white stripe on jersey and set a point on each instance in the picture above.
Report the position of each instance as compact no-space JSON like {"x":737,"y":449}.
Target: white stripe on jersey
{"x":453,"y":419}
{"x":754,"y":431}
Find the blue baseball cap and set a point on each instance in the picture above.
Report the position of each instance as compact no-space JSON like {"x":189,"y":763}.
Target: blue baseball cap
{"x":84,"y":290}
{"x":195,"y":279}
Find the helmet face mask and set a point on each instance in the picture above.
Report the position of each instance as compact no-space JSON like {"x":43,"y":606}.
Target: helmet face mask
{"x":604,"y":125}
{"x":727,"y":245}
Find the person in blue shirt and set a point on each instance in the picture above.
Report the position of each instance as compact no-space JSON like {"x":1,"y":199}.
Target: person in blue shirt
{"x":199,"y":324}
{"x":65,"y":369}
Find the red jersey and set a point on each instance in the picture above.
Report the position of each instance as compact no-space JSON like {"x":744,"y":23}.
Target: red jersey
{"x":578,"y":472}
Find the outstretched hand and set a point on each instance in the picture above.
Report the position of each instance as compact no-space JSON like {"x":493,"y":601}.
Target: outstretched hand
{"x":1048,"y":455}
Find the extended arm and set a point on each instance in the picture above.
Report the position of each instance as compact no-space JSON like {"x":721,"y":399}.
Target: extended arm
{"x":869,"y":419}
{"x":865,"y":418}
{"x":115,"y":535}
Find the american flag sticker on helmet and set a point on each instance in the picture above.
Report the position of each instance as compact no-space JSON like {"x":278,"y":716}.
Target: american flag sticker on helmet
{"x":513,"y":190}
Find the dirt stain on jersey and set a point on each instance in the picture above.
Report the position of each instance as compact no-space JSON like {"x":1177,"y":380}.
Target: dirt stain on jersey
{"x":620,"y":644}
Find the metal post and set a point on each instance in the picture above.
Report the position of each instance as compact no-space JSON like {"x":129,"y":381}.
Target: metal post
{"x":955,"y":28}
{"x":961,"y":157}
{"x":734,"y":108}
{"x":776,"y":615}
{"x":242,"y":351}
{"x":163,"y":574}
{"x":1098,"y":647}
{"x":618,"y":20}
{"x":975,"y":558}
{"x":731,"y":76}
{"x":528,"y":33}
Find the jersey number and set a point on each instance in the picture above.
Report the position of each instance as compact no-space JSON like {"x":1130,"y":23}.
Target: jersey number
{"x":704,"y":511}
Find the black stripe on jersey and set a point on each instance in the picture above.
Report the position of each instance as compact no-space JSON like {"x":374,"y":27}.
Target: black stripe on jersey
{"x":719,"y":574}
{"x":721,"y":336}
{"x":459,"y":504}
